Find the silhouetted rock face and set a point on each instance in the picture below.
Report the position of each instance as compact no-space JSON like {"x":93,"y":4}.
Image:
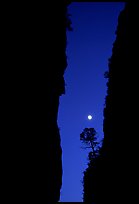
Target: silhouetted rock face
{"x":114,"y":151}
{"x":35,"y":62}
{"x":56,"y":86}
{"x":106,"y":180}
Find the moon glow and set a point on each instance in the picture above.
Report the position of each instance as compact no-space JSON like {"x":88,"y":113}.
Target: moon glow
{"x":89,"y":117}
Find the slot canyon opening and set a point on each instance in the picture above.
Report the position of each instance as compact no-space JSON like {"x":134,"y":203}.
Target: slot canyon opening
{"x":89,"y":46}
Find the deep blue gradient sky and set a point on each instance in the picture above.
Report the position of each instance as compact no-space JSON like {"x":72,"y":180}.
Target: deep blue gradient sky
{"x":88,"y":49}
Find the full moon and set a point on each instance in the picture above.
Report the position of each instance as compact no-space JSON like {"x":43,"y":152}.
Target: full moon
{"x":89,"y":117}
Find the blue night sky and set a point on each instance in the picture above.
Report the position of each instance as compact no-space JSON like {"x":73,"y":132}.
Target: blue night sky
{"x":88,"y":49}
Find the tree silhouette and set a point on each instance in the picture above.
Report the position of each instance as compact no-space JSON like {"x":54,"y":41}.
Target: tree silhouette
{"x":89,"y":139}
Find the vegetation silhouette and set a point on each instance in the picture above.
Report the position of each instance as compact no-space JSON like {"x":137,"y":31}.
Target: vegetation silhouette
{"x":89,"y":138}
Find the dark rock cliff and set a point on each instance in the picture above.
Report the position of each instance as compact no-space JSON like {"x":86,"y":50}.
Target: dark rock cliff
{"x":107,"y":179}
{"x":57,"y":88}
{"x":116,"y":134}
{"x":34,"y":54}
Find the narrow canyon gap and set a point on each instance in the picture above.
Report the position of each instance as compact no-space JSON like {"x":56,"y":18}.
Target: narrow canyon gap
{"x":89,"y":46}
